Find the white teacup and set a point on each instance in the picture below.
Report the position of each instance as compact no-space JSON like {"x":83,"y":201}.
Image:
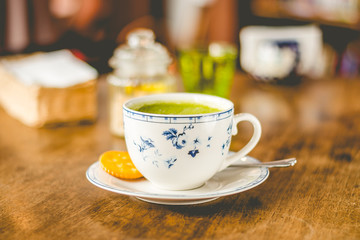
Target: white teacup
{"x":179,"y":152}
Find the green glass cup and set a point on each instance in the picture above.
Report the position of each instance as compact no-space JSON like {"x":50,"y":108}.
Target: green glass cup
{"x":208,"y":70}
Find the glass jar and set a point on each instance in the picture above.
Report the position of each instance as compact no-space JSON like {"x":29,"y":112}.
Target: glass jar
{"x":140,"y":68}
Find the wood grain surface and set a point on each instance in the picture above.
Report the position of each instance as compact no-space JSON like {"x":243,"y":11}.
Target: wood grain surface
{"x":44,"y":193}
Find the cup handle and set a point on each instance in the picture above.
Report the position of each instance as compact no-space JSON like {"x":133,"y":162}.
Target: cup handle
{"x":250,"y":145}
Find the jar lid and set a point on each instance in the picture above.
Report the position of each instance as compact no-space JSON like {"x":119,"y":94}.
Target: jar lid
{"x":140,"y":50}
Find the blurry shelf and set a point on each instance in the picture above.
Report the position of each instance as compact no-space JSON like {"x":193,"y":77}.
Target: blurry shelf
{"x":322,"y":12}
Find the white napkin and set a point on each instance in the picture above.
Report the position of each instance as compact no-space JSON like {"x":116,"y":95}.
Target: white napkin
{"x":58,"y":69}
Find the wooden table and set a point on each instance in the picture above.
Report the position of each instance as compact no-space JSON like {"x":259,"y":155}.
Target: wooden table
{"x":44,"y":193}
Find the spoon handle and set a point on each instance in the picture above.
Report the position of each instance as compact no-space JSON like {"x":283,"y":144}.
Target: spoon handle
{"x":278,"y":163}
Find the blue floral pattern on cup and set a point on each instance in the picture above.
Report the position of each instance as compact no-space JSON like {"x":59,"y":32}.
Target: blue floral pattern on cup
{"x":178,"y":139}
{"x":145,"y":144}
{"x":170,"y":162}
{"x":228,"y":140}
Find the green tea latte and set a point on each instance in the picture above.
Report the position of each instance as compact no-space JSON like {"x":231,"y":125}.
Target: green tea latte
{"x":176,"y":108}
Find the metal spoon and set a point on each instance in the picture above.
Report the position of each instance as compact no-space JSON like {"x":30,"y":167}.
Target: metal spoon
{"x":278,"y":163}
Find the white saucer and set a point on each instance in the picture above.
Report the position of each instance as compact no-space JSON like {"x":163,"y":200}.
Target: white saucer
{"x":227,"y":182}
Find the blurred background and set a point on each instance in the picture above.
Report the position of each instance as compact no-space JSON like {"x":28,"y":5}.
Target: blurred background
{"x":92,"y":29}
